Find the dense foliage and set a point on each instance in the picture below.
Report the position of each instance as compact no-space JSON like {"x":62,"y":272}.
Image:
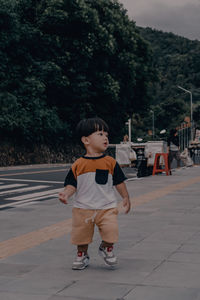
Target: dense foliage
{"x":177,"y":63}
{"x":63,"y":60}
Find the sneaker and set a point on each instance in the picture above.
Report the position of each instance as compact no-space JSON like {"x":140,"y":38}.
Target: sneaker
{"x":81,"y":261}
{"x":109,"y":258}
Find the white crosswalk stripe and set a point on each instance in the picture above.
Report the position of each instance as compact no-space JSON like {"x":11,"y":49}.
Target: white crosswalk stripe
{"x":32,"y":188}
{"x":25,"y":202}
{"x":27,"y":196}
{"x":11,"y":186}
{"x":30,"y":180}
{"x":44,"y":197}
{"x":34,"y":195}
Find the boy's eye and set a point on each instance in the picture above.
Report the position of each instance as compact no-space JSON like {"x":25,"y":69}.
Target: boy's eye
{"x":102,"y":133}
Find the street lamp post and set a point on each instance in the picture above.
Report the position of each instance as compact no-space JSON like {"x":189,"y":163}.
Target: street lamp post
{"x":191,"y":109}
{"x":129,"y":129}
{"x":153,"y":127}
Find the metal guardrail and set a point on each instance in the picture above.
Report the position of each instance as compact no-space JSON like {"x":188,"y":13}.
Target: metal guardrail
{"x":185,"y":141}
{"x":184,"y":134}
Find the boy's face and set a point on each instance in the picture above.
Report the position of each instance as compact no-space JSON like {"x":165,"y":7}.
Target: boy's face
{"x":97,"y":141}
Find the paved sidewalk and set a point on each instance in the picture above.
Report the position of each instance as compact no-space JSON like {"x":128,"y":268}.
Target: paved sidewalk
{"x":158,"y":250}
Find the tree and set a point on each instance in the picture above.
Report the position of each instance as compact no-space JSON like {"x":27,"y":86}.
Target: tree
{"x":170,"y":114}
{"x":72,"y":59}
{"x":196,"y":115}
{"x":24,"y":115}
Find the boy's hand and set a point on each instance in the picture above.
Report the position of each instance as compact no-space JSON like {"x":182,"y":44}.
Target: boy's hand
{"x":68,"y":191}
{"x":126,"y":205}
{"x":122,"y":190}
{"x":63,"y":197}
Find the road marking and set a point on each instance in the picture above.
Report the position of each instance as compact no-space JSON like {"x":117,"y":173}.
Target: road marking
{"x":15,"y":204}
{"x":32,"y":239}
{"x":25,"y":204}
{"x":164,"y":191}
{"x":34,"y":172}
{"x":21,"y":243}
{"x":43,"y":197}
{"x":134,"y":178}
{"x":33,"y":195}
{"x":32,"y":180}
{"x":31,"y":202}
{"x":32,"y":188}
{"x":10,"y":186}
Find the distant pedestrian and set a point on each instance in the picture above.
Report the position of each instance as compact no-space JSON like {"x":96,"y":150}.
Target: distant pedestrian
{"x":173,"y":147}
{"x":92,"y":178}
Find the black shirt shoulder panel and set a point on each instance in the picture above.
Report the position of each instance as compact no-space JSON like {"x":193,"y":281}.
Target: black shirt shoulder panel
{"x":118,"y":175}
{"x":70,"y":179}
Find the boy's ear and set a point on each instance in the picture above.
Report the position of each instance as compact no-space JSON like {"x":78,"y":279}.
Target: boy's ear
{"x":85,"y":140}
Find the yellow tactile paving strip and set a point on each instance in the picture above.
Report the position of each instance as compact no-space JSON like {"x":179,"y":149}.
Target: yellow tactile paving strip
{"x":35,"y":238}
{"x":164,"y":191}
{"x":32,"y":239}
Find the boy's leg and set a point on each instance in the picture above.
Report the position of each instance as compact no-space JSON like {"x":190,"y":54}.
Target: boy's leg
{"x":82,"y":230}
{"x":107,"y":223}
{"x":108,"y":228}
{"x":106,"y":252}
{"x":82,"y":259}
{"x":106,"y":244}
{"x":81,"y":236}
{"x":82,"y":248}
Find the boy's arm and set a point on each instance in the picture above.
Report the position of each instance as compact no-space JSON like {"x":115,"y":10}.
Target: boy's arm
{"x":68,"y":191}
{"x":118,"y":182}
{"x":122,"y":190}
{"x":70,"y":187}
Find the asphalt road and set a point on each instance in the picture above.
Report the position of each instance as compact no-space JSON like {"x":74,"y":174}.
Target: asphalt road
{"x":25,"y":185}
{"x":22,"y":186}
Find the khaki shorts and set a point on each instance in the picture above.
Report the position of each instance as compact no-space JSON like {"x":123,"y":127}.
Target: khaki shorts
{"x":84,"y":221}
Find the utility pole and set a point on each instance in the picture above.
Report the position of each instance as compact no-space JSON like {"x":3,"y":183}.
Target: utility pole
{"x":191,"y":109}
{"x":129,"y":129}
{"x":153,"y":125}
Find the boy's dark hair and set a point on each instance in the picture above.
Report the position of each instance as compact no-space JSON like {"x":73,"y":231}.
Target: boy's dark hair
{"x":88,"y":126}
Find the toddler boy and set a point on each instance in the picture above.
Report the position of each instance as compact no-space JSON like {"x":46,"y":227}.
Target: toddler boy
{"x":92,"y":177}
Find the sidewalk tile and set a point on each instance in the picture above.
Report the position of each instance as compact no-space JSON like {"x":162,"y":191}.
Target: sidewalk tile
{"x":158,"y":293}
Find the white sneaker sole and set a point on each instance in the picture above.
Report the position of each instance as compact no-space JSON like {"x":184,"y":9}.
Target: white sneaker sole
{"x":108,"y":265}
{"x":81,"y":268}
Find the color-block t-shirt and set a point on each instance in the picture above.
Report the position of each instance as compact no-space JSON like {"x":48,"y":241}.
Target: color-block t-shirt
{"x":94,"y":179}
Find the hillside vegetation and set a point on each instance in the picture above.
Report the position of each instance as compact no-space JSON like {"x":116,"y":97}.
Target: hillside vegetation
{"x":177,"y":63}
{"x":65,"y":60}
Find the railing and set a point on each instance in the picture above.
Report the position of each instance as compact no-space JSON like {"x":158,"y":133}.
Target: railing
{"x":185,"y":141}
{"x":184,"y":134}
